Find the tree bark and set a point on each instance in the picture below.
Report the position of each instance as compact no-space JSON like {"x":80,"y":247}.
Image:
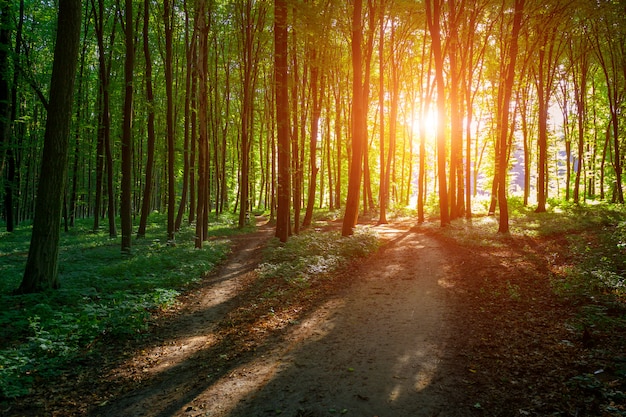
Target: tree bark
{"x":202,"y":30}
{"x":169,"y":121}
{"x":282,"y":120}
{"x":507,"y":85}
{"x":127,"y":125}
{"x":147,"y":192}
{"x":315,"y":120}
{"x":41,"y":266}
{"x":358,"y":125}
{"x":433,"y":16}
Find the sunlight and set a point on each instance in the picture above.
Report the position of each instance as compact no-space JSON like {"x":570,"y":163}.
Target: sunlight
{"x":428,"y":122}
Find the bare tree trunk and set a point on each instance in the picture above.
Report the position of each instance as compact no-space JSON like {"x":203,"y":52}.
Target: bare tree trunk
{"x":433,"y":16}
{"x":358,"y":125}
{"x":202,"y":31}
{"x":383,"y":193}
{"x":315,"y":120}
{"x":147,"y":192}
{"x":127,"y":140}
{"x":282,"y":119}
{"x":507,"y":85}
{"x":41,"y":266}
{"x":168,"y":17}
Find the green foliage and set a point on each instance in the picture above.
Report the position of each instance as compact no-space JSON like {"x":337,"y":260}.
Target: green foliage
{"x":601,"y":262}
{"x":315,"y":253}
{"x":104,"y":296}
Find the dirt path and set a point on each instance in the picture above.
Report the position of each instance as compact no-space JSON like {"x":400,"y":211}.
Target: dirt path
{"x":376,"y":349}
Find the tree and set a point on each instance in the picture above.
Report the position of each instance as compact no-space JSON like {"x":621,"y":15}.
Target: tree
{"x":202,"y":29}
{"x":103,"y":148}
{"x":609,"y":36}
{"x":282,"y":119}
{"x":550,"y":46}
{"x":168,"y":17}
{"x":127,"y":126}
{"x":41,"y":266}
{"x":506,"y":85}
{"x":358,"y":125}
{"x":317,"y":92}
{"x":5,"y":105}
{"x":433,"y":15}
{"x":252,"y":22}
{"x":147,"y":192}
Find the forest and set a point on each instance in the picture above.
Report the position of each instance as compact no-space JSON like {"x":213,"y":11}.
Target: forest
{"x":194,"y":109}
{"x":162,"y":126}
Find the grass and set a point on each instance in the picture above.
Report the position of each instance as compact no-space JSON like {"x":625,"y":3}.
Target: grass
{"x":104,"y":297}
{"x":313,"y":253}
{"x":592,"y":237}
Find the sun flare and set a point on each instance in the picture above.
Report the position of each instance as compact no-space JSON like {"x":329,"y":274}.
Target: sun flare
{"x":428,"y":122}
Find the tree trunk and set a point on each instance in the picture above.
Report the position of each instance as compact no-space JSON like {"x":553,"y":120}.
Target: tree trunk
{"x":168,"y":17}
{"x":456,"y":118}
{"x":296,"y":167}
{"x":41,"y":266}
{"x":507,"y":85}
{"x":433,"y":16}
{"x":147,"y":192}
{"x":103,"y":151}
{"x":187,"y":111}
{"x":5,"y":108}
{"x":315,"y":121}
{"x":282,"y":119}
{"x":358,"y":125}
{"x":202,"y":31}
{"x":383,"y":194}
{"x":127,"y":125}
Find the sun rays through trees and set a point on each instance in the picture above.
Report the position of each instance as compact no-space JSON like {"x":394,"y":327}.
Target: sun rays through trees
{"x":193,"y":108}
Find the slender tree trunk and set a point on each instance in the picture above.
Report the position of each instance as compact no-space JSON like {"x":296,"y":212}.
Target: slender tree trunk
{"x":147,"y":192}
{"x":187,"y":110}
{"x":168,"y":19}
{"x":580,"y":91}
{"x":296,"y":167}
{"x":393,"y":115}
{"x":358,"y":125}
{"x":195,"y":76}
{"x":507,"y":85}
{"x":202,"y":31}
{"x":41,"y":266}
{"x":338,"y":126}
{"x":433,"y":16}
{"x":456,"y":118}
{"x":282,"y":119}
{"x":5,"y":103}
{"x":73,"y":194}
{"x":127,"y":142}
{"x":315,"y":121}
{"x":383,"y":193}
{"x":103,"y":151}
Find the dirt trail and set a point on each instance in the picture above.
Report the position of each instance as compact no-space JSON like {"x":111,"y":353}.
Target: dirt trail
{"x":376,"y":349}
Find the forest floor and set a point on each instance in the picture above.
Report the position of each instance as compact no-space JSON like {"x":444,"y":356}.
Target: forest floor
{"x":424,"y":327}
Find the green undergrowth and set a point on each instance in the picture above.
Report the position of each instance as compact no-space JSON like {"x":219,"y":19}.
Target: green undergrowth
{"x":104,"y":298}
{"x":315,"y":253}
{"x":584,"y":248}
{"x":595,"y":236}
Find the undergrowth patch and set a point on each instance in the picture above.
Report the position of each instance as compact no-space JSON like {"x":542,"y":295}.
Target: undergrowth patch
{"x":104,"y":297}
{"x":565,"y":288}
{"x":313,"y":253}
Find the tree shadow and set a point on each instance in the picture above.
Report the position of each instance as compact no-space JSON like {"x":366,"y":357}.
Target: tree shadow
{"x":379,"y":348}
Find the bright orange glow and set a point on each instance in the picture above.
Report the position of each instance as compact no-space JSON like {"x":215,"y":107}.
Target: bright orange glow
{"x":428,"y":122}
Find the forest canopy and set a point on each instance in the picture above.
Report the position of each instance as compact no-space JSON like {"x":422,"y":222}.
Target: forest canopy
{"x":194,"y":108}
